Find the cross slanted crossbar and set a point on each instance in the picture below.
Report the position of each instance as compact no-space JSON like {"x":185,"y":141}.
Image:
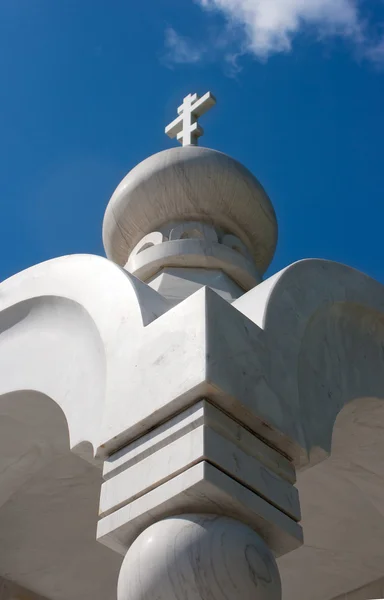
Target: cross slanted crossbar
{"x":185,"y":127}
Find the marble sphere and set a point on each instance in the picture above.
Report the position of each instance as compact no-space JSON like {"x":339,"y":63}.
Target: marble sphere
{"x":190,"y":183}
{"x":199,"y":557}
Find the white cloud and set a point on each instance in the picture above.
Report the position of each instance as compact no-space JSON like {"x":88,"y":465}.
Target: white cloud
{"x":180,"y":49}
{"x":266,"y":27}
{"x":270,"y":25}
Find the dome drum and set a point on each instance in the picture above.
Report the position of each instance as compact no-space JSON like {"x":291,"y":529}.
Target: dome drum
{"x":193,"y":245}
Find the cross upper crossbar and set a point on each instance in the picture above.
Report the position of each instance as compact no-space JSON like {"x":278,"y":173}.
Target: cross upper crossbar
{"x":185,"y":127}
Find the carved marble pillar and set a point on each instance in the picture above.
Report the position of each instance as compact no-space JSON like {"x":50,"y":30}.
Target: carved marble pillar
{"x":198,"y":491}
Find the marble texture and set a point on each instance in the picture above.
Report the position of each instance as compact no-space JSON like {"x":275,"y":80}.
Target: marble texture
{"x":288,"y":360}
{"x":199,"y":557}
{"x":342,"y":502}
{"x":64,"y":323}
{"x":175,"y":284}
{"x":201,"y":413}
{"x":202,"y":443}
{"x":263,"y":359}
{"x":185,"y":256}
{"x":321,"y":320}
{"x":190,"y":184}
{"x":202,"y":347}
{"x":194,"y":254}
{"x":199,"y":253}
{"x":48,"y":508}
{"x":151,"y":239}
{"x":210,"y":489}
{"x":193,"y":230}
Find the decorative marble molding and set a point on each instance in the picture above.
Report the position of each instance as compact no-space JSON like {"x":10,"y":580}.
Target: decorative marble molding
{"x":209,"y":463}
{"x":232,"y":241}
{"x":194,"y":253}
{"x":189,"y":230}
{"x":190,"y":349}
{"x":149,"y":240}
{"x":62,"y":324}
{"x":193,"y":245}
{"x":321,"y":320}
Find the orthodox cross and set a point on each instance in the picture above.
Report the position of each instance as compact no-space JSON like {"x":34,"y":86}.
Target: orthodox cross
{"x":185,"y":127}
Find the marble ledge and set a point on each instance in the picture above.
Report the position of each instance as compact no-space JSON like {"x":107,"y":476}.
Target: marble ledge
{"x":200,"y":489}
{"x":202,"y":443}
{"x":203,"y":412}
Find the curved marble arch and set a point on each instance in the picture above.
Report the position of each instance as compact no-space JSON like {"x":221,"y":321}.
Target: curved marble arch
{"x":323,"y":324}
{"x":48,"y":507}
{"x":62,"y":325}
{"x":342,"y":500}
{"x":65,"y":326}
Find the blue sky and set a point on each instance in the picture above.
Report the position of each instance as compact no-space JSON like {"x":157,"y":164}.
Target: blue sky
{"x":87,"y":87}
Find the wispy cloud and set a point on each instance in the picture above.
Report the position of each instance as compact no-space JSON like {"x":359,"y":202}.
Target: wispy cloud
{"x":266,"y":27}
{"x":180,"y":49}
{"x":269,"y":26}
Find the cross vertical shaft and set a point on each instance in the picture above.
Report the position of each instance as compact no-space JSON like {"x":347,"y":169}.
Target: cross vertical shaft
{"x":185,"y":128}
{"x":191,"y":131}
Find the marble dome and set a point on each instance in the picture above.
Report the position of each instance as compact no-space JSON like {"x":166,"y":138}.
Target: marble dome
{"x":190,"y":183}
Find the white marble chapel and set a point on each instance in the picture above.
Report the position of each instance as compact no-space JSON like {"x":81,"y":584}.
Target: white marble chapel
{"x":174,"y":426}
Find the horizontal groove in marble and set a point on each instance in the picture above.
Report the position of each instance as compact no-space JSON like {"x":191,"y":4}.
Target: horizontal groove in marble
{"x":201,"y":489}
{"x":203,"y":412}
{"x":195,"y":446}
